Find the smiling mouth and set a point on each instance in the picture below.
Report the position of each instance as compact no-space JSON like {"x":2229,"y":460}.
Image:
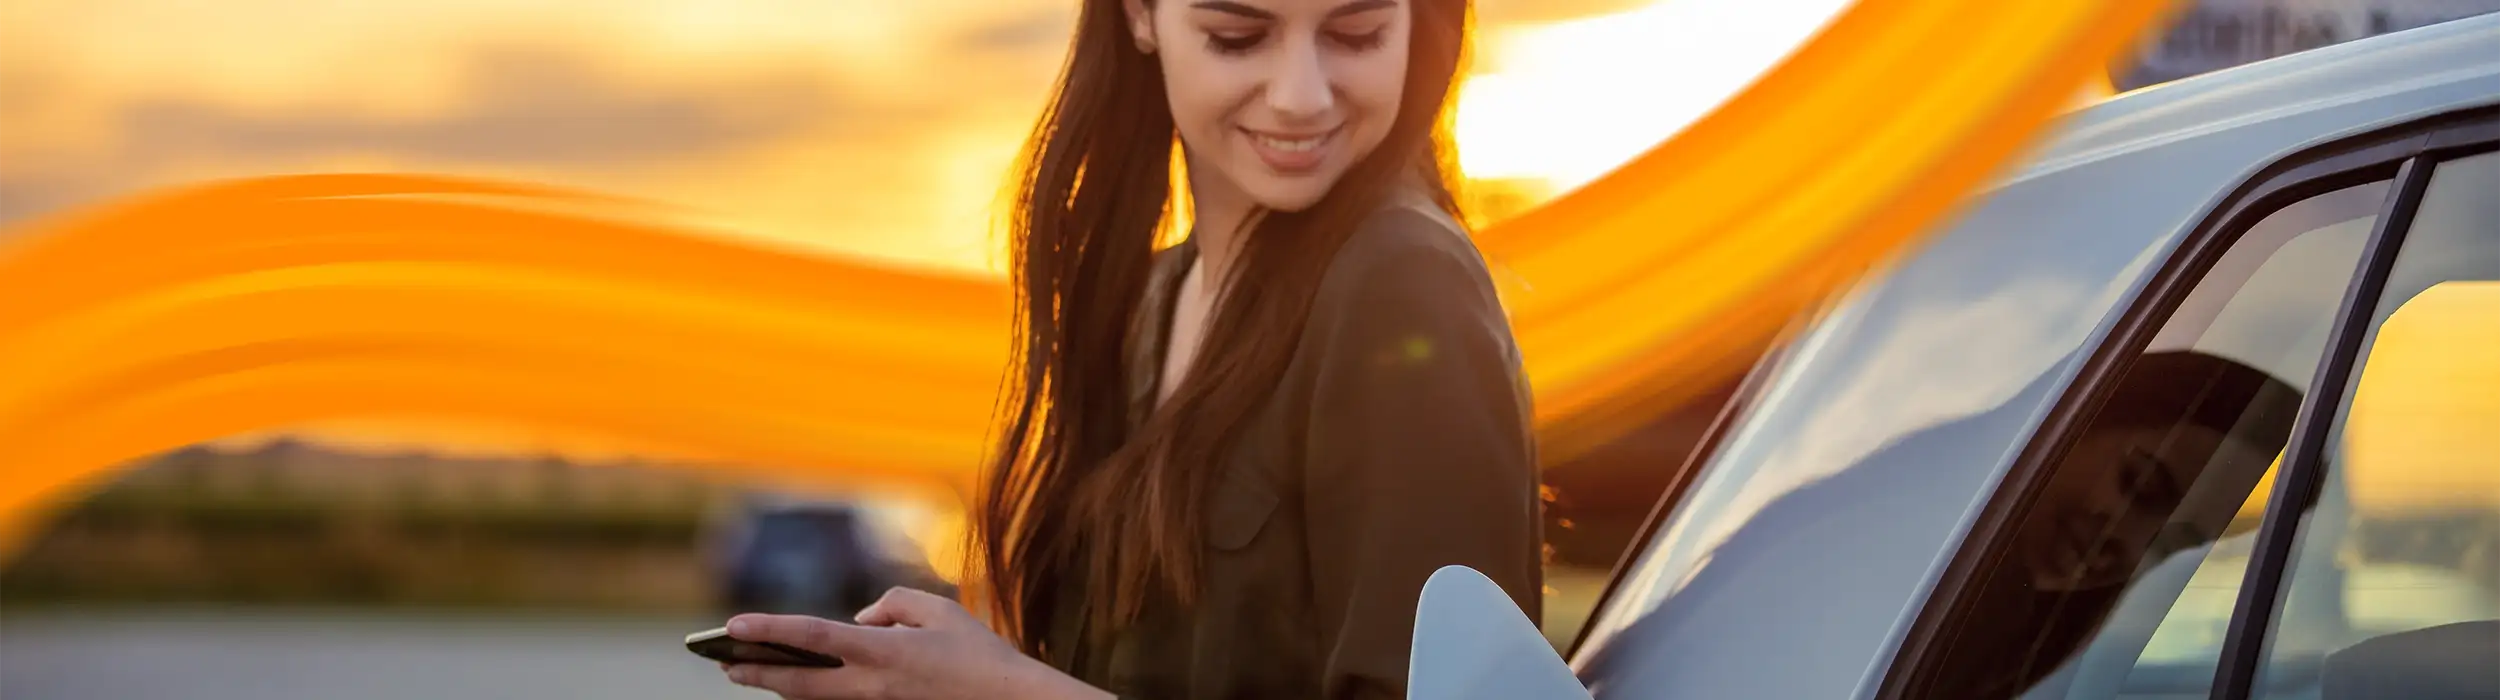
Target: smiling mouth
{"x":1292,"y":154}
{"x":1291,"y":144}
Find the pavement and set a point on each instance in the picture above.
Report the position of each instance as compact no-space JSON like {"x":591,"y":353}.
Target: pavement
{"x":259,"y":654}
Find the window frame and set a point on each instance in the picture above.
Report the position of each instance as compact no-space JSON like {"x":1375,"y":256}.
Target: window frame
{"x":2404,"y":154}
{"x":2304,"y":468}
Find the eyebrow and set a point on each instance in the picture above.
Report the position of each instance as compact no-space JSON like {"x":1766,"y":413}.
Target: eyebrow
{"x":1241,"y":10}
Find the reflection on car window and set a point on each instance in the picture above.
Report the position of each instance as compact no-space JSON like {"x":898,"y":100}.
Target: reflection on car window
{"x":2134,"y":536}
{"x":2395,"y":590}
{"x":1636,"y":469}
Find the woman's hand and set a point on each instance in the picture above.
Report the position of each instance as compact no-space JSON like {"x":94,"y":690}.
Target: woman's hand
{"x":910,"y":645}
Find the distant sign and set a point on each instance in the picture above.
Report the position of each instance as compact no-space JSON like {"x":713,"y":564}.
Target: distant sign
{"x":2211,"y":35}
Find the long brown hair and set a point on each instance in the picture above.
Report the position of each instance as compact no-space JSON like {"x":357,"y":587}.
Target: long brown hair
{"x":1071,"y":489}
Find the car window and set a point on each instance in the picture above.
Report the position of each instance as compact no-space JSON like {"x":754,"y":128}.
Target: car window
{"x":1599,"y":504}
{"x":2120,"y":572}
{"x":2394,"y":590}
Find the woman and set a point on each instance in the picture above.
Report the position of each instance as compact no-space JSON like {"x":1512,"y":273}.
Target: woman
{"x":1229,"y":466}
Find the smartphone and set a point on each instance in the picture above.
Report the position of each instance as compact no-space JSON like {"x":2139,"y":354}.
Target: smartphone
{"x":716,"y":644}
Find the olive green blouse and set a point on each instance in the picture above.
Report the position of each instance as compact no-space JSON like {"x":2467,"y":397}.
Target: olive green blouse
{"x":1397,"y":443}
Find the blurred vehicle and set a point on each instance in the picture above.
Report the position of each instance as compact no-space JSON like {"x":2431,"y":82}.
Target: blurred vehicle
{"x":806,"y":558}
{"x":2202,"y":400}
{"x":827,"y":558}
{"x":2208,"y":35}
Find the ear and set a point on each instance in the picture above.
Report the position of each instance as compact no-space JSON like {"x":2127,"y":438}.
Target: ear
{"x":1141,"y":24}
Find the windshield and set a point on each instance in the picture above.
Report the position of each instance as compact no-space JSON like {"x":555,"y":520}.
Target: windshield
{"x":1638,"y":590}
{"x":1801,"y":543}
{"x":1789,"y":564}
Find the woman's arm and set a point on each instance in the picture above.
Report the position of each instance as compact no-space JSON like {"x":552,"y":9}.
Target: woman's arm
{"x":1419,"y":450}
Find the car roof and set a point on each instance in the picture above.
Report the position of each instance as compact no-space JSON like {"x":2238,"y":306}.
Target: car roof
{"x":2434,"y":68}
{"x":1838,"y":497}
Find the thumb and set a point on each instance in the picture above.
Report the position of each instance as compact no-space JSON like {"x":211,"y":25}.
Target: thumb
{"x":878,"y":614}
{"x":905,"y":607}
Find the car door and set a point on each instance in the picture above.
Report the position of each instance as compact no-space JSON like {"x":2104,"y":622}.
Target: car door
{"x":2280,"y":477}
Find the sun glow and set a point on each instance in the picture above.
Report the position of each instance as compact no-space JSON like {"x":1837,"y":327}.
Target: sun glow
{"x":1557,"y":105}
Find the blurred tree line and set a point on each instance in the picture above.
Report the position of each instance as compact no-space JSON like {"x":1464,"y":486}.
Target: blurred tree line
{"x":294,"y":523}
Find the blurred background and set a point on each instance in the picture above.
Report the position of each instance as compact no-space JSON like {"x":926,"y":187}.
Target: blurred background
{"x":401,"y":560}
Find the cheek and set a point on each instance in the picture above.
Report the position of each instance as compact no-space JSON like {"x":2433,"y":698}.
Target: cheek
{"x":1375,"y":85}
{"x":1204,"y":92}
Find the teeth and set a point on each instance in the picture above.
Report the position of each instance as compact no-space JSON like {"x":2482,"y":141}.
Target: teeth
{"x":1296,"y":146}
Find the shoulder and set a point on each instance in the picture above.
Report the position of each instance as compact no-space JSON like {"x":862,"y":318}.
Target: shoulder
{"x":1411,"y":254}
{"x":1405,"y":237}
{"x":1410,"y":284}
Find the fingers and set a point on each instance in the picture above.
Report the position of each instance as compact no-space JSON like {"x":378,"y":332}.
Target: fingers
{"x":795,"y":682}
{"x":909,"y":608}
{"x":811,"y":633}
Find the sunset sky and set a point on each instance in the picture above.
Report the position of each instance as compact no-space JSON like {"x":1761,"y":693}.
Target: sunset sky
{"x":875,"y":128}
{"x":848,"y":126}
{"x":862,"y":127}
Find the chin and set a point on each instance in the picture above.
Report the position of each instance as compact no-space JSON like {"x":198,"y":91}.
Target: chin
{"x":1289,"y":197}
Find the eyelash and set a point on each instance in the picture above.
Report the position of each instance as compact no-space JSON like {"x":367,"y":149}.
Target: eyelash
{"x":1243,"y":44}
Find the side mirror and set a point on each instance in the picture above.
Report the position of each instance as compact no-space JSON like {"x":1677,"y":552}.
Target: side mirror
{"x":1472,"y":643}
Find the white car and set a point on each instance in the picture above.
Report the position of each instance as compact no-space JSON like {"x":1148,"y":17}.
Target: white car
{"x":2202,"y":402}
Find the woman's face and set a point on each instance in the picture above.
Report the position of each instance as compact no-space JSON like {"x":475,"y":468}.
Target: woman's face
{"x":1275,"y":99}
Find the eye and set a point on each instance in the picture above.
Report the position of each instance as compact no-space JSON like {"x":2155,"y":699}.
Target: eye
{"x":1234,"y":43}
{"x":1364,"y":41}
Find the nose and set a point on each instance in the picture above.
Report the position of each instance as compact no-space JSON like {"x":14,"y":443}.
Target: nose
{"x":1299,"y":91}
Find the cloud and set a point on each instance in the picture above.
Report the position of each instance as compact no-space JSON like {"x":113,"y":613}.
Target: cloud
{"x":24,"y":90}
{"x":23,"y":195}
{"x":21,"y":201}
{"x":534,"y":108}
{"x":519,"y":105}
{"x":1044,"y":28}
